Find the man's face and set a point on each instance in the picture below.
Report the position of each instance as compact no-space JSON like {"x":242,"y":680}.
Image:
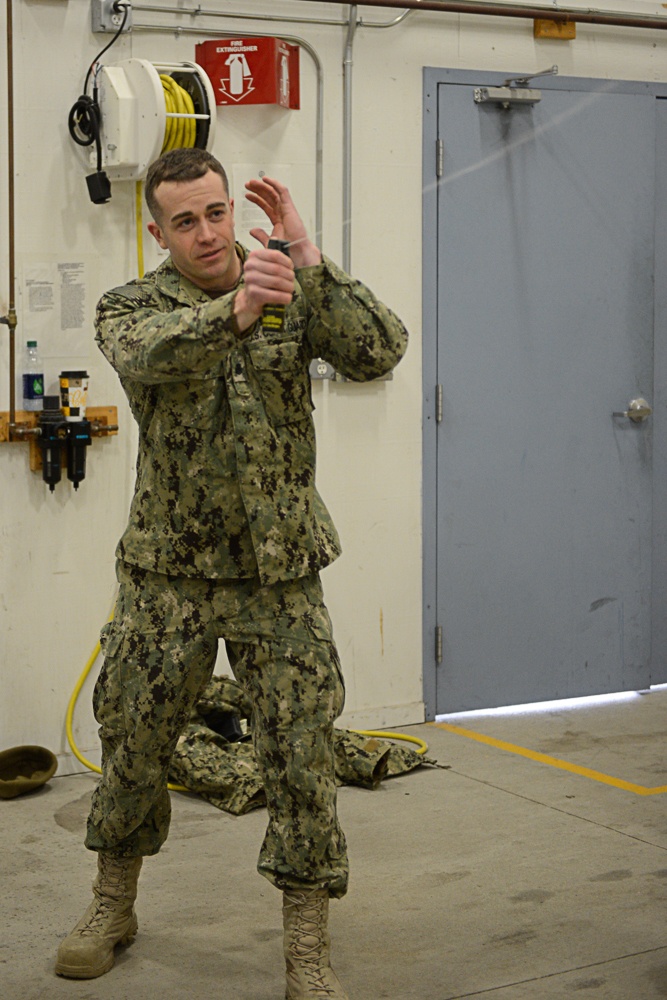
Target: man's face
{"x":197,"y":227}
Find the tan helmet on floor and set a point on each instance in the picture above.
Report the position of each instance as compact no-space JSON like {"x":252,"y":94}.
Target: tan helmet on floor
{"x":23,"y":769}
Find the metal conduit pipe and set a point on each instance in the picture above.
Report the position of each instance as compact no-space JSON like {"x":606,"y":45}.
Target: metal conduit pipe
{"x":564,"y":14}
{"x":319,"y":123}
{"x":201,"y":12}
{"x":385,"y":24}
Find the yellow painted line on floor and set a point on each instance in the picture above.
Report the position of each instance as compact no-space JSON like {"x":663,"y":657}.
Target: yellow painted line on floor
{"x":543,"y":758}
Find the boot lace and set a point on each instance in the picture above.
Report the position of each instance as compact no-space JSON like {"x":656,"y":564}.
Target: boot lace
{"x":112,"y":876}
{"x":310,"y":944}
{"x":97,"y":919}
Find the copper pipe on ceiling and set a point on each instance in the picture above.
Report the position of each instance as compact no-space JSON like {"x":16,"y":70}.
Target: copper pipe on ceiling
{"x":567,"y":15}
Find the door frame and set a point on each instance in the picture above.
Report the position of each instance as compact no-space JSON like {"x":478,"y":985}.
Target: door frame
{"x":433,"y":77}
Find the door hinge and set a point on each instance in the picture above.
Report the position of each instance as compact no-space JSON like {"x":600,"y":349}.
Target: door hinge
{"x":439,"y":157}
{"x":438,"y":404}
{"x":438,"y":643}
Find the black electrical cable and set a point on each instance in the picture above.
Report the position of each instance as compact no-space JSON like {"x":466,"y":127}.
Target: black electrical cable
{"x":84,"y":123}
{"x":117,"y":7}
{"x":85,"y":117}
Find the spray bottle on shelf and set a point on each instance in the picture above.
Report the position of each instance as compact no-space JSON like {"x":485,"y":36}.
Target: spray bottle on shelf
{"x":33,"y":377}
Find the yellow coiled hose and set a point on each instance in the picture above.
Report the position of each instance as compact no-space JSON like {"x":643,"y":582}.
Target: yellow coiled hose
{"x":179,"y":133}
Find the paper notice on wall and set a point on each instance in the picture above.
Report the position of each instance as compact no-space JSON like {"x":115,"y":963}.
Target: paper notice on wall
{"x":248,"y":216}
{"x":71,"y":278}
{"x":40,"y":290}
{"x":54,"y":307}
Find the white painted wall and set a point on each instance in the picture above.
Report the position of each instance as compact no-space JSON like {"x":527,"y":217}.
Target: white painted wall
{"x":57,"y":580}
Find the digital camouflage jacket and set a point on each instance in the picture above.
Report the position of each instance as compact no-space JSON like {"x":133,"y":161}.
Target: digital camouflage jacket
{"x":225,"y":485}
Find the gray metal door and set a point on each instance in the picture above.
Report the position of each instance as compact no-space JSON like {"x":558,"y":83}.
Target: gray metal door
{"x":538,"y":551}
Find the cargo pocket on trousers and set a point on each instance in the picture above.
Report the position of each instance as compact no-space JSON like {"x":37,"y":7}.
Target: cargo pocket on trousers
{"x":107,"y":700}
{"x":321,"y":631}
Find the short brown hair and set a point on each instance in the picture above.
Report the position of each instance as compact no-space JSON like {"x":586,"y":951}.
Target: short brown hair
{"x":180,"y":165}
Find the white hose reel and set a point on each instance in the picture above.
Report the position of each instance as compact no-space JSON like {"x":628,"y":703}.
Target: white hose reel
{"x":146,"y":108}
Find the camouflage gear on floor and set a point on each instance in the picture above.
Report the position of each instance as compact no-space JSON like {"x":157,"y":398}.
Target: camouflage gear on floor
{"x":159,"y":652}
{"x":225,"y":772}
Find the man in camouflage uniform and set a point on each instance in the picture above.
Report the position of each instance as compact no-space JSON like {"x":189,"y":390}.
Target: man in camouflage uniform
{"x":226,"y":537}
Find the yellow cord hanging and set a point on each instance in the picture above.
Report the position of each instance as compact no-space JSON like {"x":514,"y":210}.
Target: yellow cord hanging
{"x":140,"y":229}
{"x":70,"y":712}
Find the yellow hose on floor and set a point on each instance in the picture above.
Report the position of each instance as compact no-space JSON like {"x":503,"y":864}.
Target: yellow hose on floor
{"x":383,"y":734}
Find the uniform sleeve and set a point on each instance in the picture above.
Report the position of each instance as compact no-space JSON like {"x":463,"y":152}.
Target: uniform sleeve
{"x":142,"y":341}
{"x":350,"y":328}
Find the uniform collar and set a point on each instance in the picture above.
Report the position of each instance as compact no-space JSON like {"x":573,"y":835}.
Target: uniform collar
{"x":172,"y":283}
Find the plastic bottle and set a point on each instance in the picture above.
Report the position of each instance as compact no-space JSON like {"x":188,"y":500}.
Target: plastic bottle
{"x":33,"y":377}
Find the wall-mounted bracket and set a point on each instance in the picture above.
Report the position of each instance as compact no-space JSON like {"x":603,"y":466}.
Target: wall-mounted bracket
{"x":103,"y":423}
{"x":562,"y":30}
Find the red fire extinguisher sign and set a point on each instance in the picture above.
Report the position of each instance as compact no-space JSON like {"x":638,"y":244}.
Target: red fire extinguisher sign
{"x":251,"y":70}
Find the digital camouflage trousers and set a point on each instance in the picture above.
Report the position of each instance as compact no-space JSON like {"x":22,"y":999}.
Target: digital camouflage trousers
{"x":160,"y":651}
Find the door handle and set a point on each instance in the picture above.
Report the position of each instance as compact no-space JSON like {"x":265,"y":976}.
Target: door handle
{"x":638,"y":411}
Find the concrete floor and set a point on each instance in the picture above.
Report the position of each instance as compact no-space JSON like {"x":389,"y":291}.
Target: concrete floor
{"x":502,"y":876}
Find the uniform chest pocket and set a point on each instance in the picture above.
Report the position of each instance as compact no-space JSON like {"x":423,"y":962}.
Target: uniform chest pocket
{"x":283,"y":380}
{"x":193,"y":405}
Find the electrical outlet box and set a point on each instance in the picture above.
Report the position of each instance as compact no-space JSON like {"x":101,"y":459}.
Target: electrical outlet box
{"x":104,"y":16}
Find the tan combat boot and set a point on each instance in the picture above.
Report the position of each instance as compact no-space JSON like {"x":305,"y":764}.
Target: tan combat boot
{"x":309,"y":974}
{"x":109,"y":920}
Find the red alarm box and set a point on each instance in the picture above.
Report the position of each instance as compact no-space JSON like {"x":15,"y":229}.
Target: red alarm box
{"x":251,"y":70}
